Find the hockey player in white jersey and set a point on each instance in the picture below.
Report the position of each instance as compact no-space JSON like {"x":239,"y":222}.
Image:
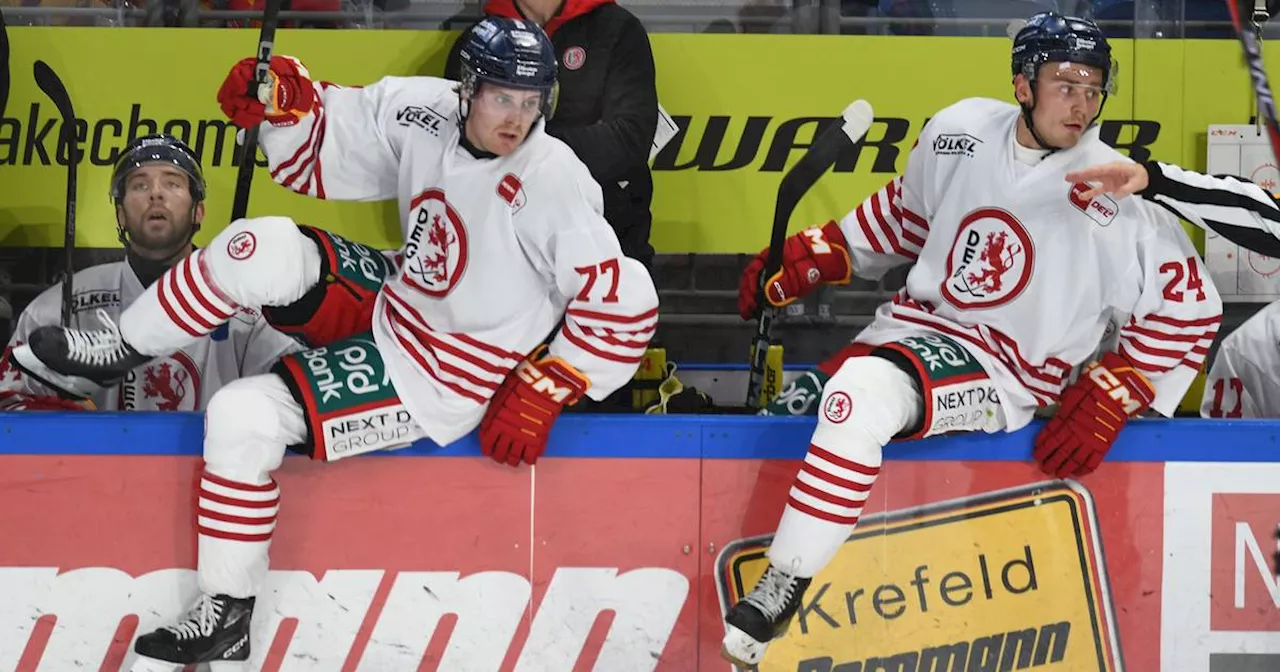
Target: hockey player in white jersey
{"x":505,"y":248}
{"x":1014,"y":280}
{"x":1244,"y":381}
{"x":158,"y":190}
{"x":1226,"y":205}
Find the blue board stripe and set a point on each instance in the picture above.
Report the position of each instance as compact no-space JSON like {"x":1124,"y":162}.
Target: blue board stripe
{"x":636,"y":436}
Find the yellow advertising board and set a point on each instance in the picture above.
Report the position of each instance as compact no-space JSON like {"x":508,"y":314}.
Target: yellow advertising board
{"x":1006,"y":580}
{"x":748,"y":105}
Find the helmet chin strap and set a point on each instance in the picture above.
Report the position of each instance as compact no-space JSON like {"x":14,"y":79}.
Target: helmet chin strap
{"x":1027,"y":109}
{"x":150,"y":270}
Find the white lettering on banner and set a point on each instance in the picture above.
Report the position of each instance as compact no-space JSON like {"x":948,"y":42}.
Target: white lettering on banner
{"x":1206,"y":558}
{"x":1246,"y":540}
{"x":90,"y":603}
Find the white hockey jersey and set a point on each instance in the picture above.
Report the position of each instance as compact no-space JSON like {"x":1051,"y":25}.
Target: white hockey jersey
{"x":1244,"y":381}
{"x":1009,"y":261}
{"x":183,"y":381}
{"x":498,"y":252}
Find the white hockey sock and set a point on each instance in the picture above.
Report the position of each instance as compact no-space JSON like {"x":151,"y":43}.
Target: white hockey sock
{"x":235,"y":521}
{"x":249,"y":423}
{"x":180,"y":308}
{"x":878,"y":400}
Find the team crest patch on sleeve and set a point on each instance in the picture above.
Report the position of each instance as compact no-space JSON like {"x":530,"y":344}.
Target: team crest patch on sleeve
{"x":991,"y":260}
{"x":1101,"y":209}
{"x":511,"y":190}
{"x":242,"y":246}
{"x":837,"y":407}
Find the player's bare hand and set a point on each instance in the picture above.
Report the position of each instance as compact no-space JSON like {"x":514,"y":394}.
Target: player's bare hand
{"x":1120,"y":179}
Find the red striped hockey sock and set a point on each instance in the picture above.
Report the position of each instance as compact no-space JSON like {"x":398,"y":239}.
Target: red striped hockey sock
{"x":235,"y":521}
{"x":822,"y":510}
{"x":183,"y":306}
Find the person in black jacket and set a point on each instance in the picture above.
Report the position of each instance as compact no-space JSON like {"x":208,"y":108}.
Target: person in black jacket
{"x":608,"y":105}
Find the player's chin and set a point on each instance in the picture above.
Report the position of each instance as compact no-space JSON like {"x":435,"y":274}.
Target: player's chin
{"x":506,"y":142}
{"x":1068,"y":135}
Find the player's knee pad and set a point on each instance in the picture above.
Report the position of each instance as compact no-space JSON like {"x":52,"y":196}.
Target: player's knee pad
{"x":341,"y":303}
{"x":868,"y":402}
{"x":262,"y":261}
{"x":248,"y":424}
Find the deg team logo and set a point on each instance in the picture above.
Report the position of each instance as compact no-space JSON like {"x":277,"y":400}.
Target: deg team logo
{"x":991,"y":260}
{"x":435,"y":255}
{"x":164,"y":384}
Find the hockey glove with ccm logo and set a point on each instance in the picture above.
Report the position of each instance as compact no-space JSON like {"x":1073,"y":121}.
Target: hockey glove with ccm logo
{"x":525,"y":406}
{"x":815,"y":256}
{"x":1091,"y":413}
{"x":285,"y":98}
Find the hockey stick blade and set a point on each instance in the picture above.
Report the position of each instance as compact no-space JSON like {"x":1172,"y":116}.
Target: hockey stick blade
{"x":52,"y":86}
{"x":1249,"y":42}
{"x":249,"y":150}
{"x":855,"y":120}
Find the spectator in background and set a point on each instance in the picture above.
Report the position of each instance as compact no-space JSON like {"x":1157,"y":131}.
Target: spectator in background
{"x":159,"y":190}
{"x":608,"y":102}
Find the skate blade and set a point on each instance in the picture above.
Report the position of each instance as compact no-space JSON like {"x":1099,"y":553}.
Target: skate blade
{"x":738,"y":664}
{"x":72,"y":386}
{"x":144,"y":664}
{"x":741,"y":649}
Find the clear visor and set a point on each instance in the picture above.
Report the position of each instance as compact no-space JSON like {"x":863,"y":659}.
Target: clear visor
{"x":527,"y":103}
{"x":1086,"y":79}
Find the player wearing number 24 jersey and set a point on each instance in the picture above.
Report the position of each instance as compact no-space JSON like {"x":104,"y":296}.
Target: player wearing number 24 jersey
{"x":1015,"y":277}
{"x":510,"y":299}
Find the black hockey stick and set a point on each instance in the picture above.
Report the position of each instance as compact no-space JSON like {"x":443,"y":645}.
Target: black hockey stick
{"x":4,"y":66}
{"x":824,"y":151}
{"x":1251,"y":41}
{"x":249,"y":150}
{"x":53,"y":87}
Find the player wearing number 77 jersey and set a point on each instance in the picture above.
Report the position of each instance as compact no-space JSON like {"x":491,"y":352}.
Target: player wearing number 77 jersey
{"x":1014,"y":280}
{"x":505,"y":246}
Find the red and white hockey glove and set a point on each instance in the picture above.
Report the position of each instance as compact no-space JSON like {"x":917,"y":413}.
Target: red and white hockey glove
{"x":21,"y":401}
{"x":283,"y":100}
{"x":1091,"y":413}
{"x":523,"y":409}
{"x":813,"y":257}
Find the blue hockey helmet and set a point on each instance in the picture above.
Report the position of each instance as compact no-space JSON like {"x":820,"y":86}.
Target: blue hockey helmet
{"x":157,"y":148}
{"x":509,"y":52}
{"x":1049,"y":37}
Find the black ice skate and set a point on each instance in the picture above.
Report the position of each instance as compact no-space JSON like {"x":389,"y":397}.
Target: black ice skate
{"x":216,"y":630}
{"x":78,"y":362}
{"x":762,"y":616}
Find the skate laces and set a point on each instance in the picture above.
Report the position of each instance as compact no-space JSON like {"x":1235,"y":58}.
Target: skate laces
{"x":773,"y":593}
{"x":96,"y":347}
{"x":200,"y":620}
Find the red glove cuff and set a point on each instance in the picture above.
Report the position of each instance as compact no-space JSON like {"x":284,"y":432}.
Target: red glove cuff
{"x":553,"y":378}
{"x":813,"y":257}
{"x":1122,"y":384}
